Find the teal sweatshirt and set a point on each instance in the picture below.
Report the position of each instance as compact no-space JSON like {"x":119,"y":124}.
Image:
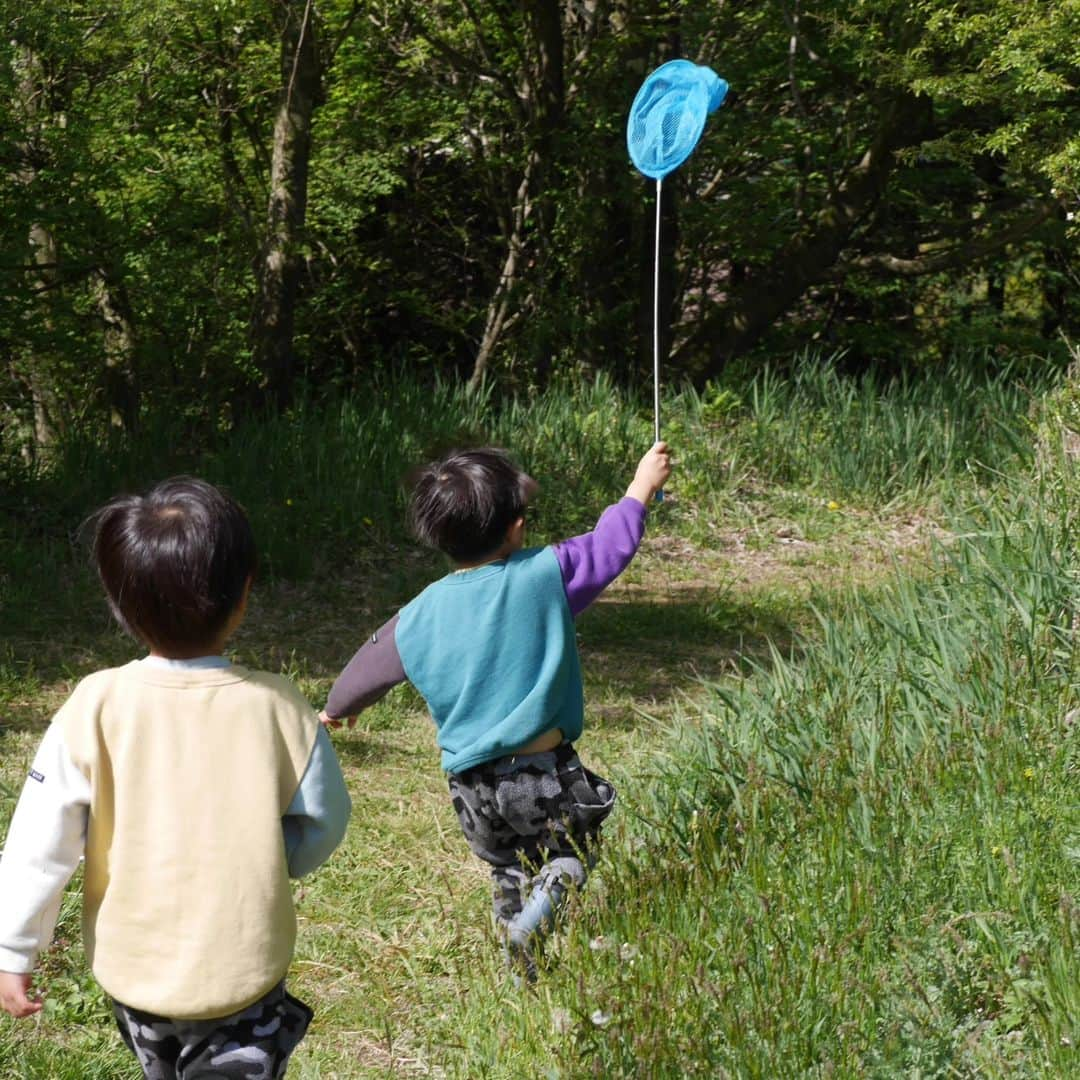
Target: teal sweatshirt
{"x":493,"y":652}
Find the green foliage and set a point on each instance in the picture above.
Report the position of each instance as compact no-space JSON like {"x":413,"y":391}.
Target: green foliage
{"x":845,"y":439}
{"x":335,"y":470}
{"x":884,"y":823}
{"x":138,"y":137}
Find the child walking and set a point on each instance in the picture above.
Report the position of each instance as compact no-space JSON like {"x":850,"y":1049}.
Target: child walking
{"x":194,"y":788}
{"x":492,"y":649}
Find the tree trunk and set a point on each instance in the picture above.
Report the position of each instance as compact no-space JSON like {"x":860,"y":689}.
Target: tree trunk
{"x":44,"y":251}
{"x":499,"y":314}
{"x":279,"y":262}
{"x":549,"y":110}
{"x":807,"y":259}
{"x":46,"y":254}
{"x":121,"y":384}
{"x":543,"y":99}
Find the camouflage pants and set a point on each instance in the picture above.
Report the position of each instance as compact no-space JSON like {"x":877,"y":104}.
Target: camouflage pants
{"x":535,"y":818}
{"x":253,"y":1044}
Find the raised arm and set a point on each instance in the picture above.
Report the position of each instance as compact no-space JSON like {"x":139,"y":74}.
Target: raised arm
{"x":374,"y":670}
{"x":592,"y":561}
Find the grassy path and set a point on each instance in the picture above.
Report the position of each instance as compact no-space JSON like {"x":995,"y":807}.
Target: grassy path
{"x":397,"y":923}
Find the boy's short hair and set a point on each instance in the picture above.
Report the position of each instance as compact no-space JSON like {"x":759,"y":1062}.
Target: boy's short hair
{"x":464,"y":503}
{"x":174,"y":562}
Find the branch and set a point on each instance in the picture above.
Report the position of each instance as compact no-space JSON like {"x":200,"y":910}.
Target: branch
{"x":709,"y":190}
{"x":461,"y":62}
{"x":793,"y":48}
{"x":508,"y":31}
{"x":968,"y":253}
{"x":94,"y":27}
{"x":729,"y":329}
{"x":28,"y":268}
{"x":75,"y":271}
{"x":798,"y":39}
{"x":342,"y":34}
{"x":593,"y":17}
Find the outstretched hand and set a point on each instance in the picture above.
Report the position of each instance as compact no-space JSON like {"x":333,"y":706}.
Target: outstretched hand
{"x":332,"y":725}
{"x":15,"y":995}
{"x":652,"y":471}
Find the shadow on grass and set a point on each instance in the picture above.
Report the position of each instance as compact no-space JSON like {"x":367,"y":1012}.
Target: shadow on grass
{"x":634,"y":644}
{"x":655,"y":649}
{"x":362,"y":751}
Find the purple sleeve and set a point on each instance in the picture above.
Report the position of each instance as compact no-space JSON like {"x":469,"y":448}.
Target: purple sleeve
{"x":375,"y":669}
{"x":594,"y":560}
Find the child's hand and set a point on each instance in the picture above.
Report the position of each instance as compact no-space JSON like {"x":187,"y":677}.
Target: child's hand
{"x":653,"y":469}
{"x":332,"y":724}
{"x":14,"y":995}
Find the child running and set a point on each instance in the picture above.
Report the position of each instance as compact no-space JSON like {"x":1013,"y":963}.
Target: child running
{"x":492,"y":649}
{"x":194,"y":788}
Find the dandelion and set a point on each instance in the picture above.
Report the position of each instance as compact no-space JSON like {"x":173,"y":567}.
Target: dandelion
{"x":1029,"y":773}
{"x":833,"y":505}
{"x":995,"y":850}
{"x":288,"y":502}
{"x":628,"y":952}
{"x":367,"y":521}
{"x":600,"y":1018}
{"x":598,"y":943}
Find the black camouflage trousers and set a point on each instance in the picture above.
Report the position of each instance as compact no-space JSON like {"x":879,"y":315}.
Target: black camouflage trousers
{"x":535,"y":818}
{"x":253,"y":1044}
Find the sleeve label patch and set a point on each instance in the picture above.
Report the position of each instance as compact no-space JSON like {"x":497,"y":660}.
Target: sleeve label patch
{"x":35,"y":775}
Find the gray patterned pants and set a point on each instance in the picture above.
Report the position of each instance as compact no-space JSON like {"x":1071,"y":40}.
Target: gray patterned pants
{"x":253,"y":1044}
{"x":535,"y":818}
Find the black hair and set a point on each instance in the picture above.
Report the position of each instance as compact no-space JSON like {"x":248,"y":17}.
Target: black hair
{"x":174,"y":562}
{"x":464,"y":503}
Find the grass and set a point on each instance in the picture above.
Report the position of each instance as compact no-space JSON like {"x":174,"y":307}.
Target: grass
{"x":847,"y":842}
{"x":892,"y":823}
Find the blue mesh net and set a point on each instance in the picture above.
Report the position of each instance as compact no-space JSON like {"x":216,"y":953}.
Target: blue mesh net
{"x":669,"y":114}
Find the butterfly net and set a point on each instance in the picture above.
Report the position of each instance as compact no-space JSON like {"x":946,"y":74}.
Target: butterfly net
{"x":669,"y":114}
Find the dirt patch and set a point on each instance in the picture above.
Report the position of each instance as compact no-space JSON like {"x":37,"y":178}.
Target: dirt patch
{"x":784,"y":558}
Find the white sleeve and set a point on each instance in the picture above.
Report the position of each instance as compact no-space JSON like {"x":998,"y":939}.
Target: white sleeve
{"x":45,"y":840}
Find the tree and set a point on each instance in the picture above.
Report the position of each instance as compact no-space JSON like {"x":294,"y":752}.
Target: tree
{"x":210,"y":201}
{"x":911,"y":150}
{"x":522,"y":129}
{"x":278,"y":267}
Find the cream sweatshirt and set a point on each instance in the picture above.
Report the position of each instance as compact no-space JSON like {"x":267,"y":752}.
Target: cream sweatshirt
{"x":177,"y":784}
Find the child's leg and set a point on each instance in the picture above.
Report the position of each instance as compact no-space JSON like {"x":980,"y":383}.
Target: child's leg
{"x":254,"y":1044}
{"x":575,"y":802}
{"x":494,"y":841}
{"x":540,"y":812}
{"x":473,"y":795}
{"x":510,"y":884}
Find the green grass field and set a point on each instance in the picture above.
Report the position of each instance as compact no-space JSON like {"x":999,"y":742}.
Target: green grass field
{"x":836,"y":691}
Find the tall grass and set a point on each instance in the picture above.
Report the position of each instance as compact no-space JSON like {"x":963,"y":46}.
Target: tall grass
{"x":866,"y":862}
{"x":327,"y":477}
{"x":859,"y":438}
{"x":860,"y":862}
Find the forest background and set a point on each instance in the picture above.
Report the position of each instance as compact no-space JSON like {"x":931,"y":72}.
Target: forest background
{"x":292,"y":247}
{"x":214,"y":206}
